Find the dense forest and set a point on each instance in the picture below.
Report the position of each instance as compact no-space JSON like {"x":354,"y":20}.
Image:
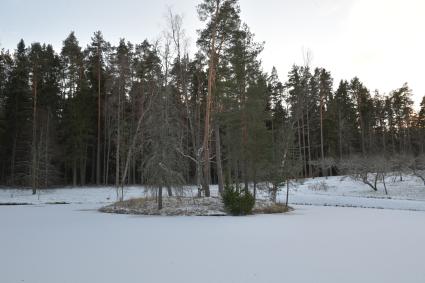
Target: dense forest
{"x":152,"y":113}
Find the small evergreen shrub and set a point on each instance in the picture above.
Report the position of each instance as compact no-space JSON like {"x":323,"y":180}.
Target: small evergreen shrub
{"x":237,"y":202}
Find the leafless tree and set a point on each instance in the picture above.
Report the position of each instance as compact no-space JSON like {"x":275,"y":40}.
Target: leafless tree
{"x":401,"y":164}
{"x":369,"y":170}
{"x":417,"y":167}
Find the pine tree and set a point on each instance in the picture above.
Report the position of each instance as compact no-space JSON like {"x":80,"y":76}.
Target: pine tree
{"x":222,"y":17}
{"x":297,"y":108}
{"x":45,"y":79}
{"x":5,"y":75}
{"x":121,"y":87}
{"x":79,"y":119}
{"x":240,"y":88}
{"x":18,"y":116}
{"x":346,"y":120}
{"x":325,"y":95}
{"x":420,"y":125}
{"x":364,"y":107}
{"x":97,"y":57}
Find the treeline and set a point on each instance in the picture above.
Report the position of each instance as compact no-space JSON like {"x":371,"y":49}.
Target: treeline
{"x":152,"y":114}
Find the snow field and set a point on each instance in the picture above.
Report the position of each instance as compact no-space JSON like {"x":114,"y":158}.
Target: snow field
{"x":73,"y":243}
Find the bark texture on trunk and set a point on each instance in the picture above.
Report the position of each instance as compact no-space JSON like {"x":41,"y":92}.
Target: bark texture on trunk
{"x":218,"y":156}
{"x":211,"y":83}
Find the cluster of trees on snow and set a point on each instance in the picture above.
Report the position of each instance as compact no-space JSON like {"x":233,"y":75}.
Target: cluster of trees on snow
{"x":151,"y":113}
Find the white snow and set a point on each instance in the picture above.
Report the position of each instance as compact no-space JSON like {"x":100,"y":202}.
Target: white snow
{"x":408,"y":194}
{"x":79,"y":195}
{"x":74,"y":243}
{"x":44,"y":243}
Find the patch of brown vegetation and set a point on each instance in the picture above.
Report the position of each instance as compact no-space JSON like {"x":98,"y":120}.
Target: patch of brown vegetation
{"x":132,"y":203}
{"x":274,"y":208}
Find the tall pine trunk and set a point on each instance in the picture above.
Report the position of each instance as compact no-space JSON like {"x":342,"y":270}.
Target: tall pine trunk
{"x":98,"y":120}
{"x":299,"y":140}
{"x":309,"y":144}
{"x":339,"y":134}
{"x":218,"y":156}
{"x":322,"y":151}
{"x":117,"y":152}
{"x":211,"y":82}
{"x":160,"y":198}
{"x":303,"y":144}
{"x":74,"y":172}
{"x":34,"y":142}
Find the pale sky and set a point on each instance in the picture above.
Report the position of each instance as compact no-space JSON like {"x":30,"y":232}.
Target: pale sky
{"x":380,"y":41}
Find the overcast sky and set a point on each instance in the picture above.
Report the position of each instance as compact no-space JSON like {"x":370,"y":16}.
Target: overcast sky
{"x":380,"y":41}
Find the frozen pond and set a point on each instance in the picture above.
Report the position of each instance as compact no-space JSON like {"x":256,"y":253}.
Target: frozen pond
{"x":75,"y":243}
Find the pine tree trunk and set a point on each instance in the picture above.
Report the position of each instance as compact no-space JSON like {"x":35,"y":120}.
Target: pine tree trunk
{"x":287,"y":193}
{"x":106,"y":147}
{"x":83,"y":170}
{"x":160,"y":198}
{"x":93,"y":165}
{"x":340,"y":134}
{"x":74,"y":172}
{"x":47,"y":161}
{"x":108,"y":155}
{"x":384,"y":146}
{"x":322,"y":152}
{"x":197,"y":150}
{"x":303,"y":144}
{"x":299,"y":140}
{"x":98,"y":177}
{"x":83,"y":166}
{"x":218,"y":156}
{"x":133,"y":179}
{"x":34,"y":142}
{"x":362,"y":128}
{"x":310,"y":173}
{"x":211,"y":84}
{"x":117,"y":152}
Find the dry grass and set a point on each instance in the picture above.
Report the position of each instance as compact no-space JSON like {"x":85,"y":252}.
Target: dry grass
{"x":273,"y":209}
{"x":132,"y":203}
{"x":173,"y":206}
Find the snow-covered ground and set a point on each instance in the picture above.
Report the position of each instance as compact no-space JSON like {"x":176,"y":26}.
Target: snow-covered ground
{"x":75,"y":243}
{"x":408,"y":194}
{"x":79,"y":195}
{"x":46,"y":243}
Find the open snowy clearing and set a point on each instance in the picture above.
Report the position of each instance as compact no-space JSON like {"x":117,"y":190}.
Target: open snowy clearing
{"x":408,"y":194}
{"x":75,"y":243}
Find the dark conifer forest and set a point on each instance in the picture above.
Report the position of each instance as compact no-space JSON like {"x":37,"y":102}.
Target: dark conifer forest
{"x":151,"y":113}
